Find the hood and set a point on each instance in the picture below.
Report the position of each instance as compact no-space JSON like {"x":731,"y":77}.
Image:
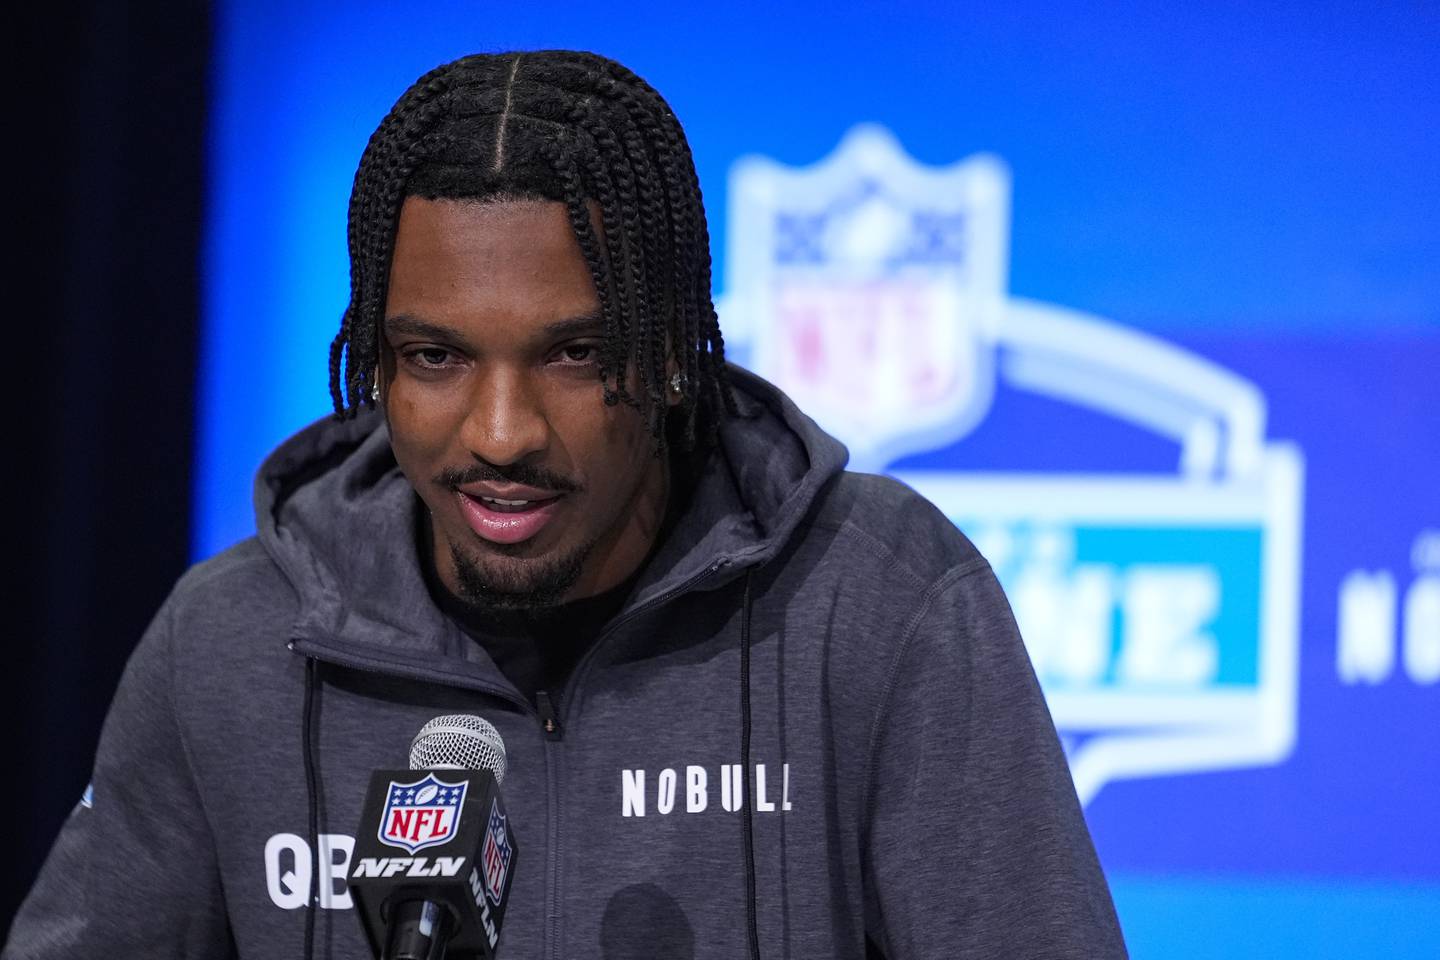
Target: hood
{"x":339,"y":518}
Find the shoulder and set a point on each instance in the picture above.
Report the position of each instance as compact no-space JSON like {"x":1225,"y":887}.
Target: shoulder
{"x":237,"y":594}
{"x":878,"y":584}
{"x":213,"y":641}
{"x":878,"y":524}
{"x":236,"y":575}
{"x":875,"y":563}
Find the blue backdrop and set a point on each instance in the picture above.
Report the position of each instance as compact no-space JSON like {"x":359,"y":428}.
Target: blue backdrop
{"x":1240,"y":202}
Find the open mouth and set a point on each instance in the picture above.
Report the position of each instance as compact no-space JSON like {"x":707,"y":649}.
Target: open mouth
{"x":512,"y":506}
{"x":507,"y":521}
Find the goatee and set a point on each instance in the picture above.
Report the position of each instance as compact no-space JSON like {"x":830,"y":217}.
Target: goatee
{"x":528,"y":586}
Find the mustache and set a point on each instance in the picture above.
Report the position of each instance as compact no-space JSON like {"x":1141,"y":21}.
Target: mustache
{"x":525,"y":474}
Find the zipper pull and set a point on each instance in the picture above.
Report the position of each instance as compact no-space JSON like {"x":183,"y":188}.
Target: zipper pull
{"x":549,"y":722}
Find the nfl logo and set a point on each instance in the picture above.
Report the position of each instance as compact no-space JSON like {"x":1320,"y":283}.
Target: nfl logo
{"x":496,"y":854}
{"x":872,"y":288}
{"x":421,"y":814}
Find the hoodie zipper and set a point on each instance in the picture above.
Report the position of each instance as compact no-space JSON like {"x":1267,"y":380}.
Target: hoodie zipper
{"x":554,"y":734}
{"x":552,"y":729}
{"x":549,"y":723}
{"x":552,"y":725}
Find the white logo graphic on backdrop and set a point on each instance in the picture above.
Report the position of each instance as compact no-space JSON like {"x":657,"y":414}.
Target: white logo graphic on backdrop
{"x":1160,"y":610}
{"x":861,"y":256}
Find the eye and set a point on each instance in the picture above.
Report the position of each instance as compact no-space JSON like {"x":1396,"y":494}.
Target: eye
{"x":578,"y":354}
{"x":428,"y":357}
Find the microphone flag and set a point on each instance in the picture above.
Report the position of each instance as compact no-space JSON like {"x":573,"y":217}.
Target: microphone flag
{"x":443,"y":838}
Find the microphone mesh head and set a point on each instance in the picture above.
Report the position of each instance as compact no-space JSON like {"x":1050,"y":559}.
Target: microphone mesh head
{"x":459,"y":742}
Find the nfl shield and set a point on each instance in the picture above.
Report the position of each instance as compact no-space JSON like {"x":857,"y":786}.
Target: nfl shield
{"x":421,"y":814}
{"x":873,"y":287}
{"x":496,"y":854}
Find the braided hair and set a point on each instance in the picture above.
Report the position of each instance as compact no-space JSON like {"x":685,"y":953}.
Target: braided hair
{"x":582,"y":130}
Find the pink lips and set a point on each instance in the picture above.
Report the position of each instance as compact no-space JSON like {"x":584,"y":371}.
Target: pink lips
{"x":508,"y":526}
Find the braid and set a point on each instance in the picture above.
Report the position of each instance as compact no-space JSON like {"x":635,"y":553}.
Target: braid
{"x":633,"y":227}
{"x":705,"y":366}
{"x":337,"y":354}
{"x":400,"y":150}
{"x":374,"y":207}
{"x":612,"y":362}
{"x":622,"y":290}
{"x":577,"y":129}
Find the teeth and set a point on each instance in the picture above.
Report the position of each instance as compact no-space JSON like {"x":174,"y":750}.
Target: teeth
{"x":507,"y":503}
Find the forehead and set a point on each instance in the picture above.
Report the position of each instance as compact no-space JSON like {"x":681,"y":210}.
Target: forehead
{"x":462,"y":260}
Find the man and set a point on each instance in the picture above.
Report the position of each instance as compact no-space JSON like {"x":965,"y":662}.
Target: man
{"x":752,"y":704}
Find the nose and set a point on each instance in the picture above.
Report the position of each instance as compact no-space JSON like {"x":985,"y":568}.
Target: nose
{"x":507,"y":421}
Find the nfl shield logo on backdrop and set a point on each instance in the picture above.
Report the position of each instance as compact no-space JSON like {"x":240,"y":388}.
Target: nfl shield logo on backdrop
{"x":873,"y":287}
{"x":421,"y":814}
{"x":496,"y":854}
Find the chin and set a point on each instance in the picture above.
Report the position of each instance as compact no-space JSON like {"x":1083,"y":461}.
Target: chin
{"x":515,"y":583}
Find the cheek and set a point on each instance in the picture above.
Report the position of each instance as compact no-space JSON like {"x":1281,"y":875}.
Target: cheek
{"x":627,"y":435}
{"x":610,"y":444}
{"x":420,"y":432}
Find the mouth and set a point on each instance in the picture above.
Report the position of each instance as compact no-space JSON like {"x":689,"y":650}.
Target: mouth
{"x":507,"y":520}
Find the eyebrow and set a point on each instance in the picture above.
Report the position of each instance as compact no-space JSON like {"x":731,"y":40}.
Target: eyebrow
{"x":405,"y":324}
{"x":411,"y":326}
{"x":575,"y":327}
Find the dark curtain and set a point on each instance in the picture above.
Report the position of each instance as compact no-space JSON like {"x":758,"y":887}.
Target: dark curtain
{"x":108,"y":125}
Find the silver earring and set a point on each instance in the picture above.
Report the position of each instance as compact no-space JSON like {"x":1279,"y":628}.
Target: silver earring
{"x":677,"y":382}
{"x":375,"y":391}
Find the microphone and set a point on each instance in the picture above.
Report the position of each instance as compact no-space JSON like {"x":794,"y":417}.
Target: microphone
{"x":450,"y":901}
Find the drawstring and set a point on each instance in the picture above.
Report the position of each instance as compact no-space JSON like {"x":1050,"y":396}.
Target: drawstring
{"x":312,"y":804}
{"x":749,"y":836}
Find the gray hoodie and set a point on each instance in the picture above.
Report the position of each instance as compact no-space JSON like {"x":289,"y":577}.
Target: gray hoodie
{"x":907,"y":793}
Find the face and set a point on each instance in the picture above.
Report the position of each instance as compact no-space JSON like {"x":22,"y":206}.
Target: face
{"x":537,"y":491}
